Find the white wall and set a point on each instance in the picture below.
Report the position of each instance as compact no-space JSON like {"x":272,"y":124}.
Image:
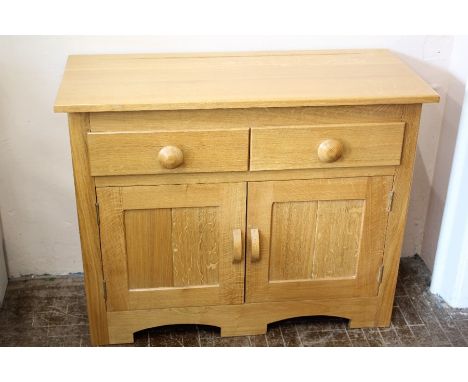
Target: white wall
{"x":450,"y":277}
{"x":36,"y":183}
{"x":458,"y":69}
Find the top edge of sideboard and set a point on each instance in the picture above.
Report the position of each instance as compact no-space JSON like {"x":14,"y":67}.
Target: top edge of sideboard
{"x":134,"y":82}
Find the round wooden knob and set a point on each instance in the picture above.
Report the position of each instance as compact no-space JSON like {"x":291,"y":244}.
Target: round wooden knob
{"x":330,"y":150}
{"x":170,"y":157}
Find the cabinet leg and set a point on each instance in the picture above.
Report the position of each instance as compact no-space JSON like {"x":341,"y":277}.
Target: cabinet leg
{"x":120,"y":337}
{"x":359,"y":323}
{"x":385,"y":319}
{"x":368,"y":322}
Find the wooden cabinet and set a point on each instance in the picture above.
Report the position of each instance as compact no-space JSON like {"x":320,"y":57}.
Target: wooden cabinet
{"x":240,"y":189}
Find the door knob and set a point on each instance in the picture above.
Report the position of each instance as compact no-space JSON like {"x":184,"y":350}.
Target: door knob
{"x":330,"y":150}
{"x":170,"y":157}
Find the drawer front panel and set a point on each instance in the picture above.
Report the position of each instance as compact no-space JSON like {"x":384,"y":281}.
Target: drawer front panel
{"x":326,"y":146}
{"x":131,"y":153}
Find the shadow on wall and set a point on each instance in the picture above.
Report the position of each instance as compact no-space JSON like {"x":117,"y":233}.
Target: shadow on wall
{"x":436,"y":145}
{"x":443,"y":166}
{"x":418,"y":206}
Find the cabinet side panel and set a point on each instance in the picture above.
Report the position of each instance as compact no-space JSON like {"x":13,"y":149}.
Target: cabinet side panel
{"x":397,"y":218}
{"x":89,"y":230}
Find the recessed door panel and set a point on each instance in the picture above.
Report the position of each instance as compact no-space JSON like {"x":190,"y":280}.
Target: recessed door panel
{"x":315,"y":240}
{"x":176,"y":247}
{"x":321,"y":238}
{"x":172,"y":245}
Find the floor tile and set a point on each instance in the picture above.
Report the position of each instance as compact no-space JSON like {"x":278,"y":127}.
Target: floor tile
{"x":175,"y":336}
{"x":405,"y":336}
{"x":225,"y":342}
{"x":389,"y":337}
{"x":258,"y":341}
{"x":455,"y":337}
{"x":324,"y":337}
{"x":67,"y":330}
{"x":274,"y":336}
{"x":398,"y":321}
{"x":290,"y":335}
{"x":51,"y":311}
{"x":64,"y":341}
{"x":407,"y":309}
{"x":357,"y":338}
{"x":374,"y":337}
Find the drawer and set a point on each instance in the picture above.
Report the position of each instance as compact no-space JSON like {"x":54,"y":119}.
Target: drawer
{"x":322,"y":146}
{"x":155,"y":152}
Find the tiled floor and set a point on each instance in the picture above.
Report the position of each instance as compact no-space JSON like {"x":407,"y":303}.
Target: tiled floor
{"x":52,"y":312}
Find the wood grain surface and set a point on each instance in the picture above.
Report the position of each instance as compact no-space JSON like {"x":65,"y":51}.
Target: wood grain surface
{"x":209,"y":81}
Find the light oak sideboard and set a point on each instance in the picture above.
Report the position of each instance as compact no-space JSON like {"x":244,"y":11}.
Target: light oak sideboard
{"x":240,"y":189}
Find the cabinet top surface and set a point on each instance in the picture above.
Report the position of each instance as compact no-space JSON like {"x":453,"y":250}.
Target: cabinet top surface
{"x":238,"y":80}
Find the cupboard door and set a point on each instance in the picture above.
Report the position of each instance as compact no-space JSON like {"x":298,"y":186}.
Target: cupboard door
{"x":172,"y":245}
{"x":312,"y":239}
